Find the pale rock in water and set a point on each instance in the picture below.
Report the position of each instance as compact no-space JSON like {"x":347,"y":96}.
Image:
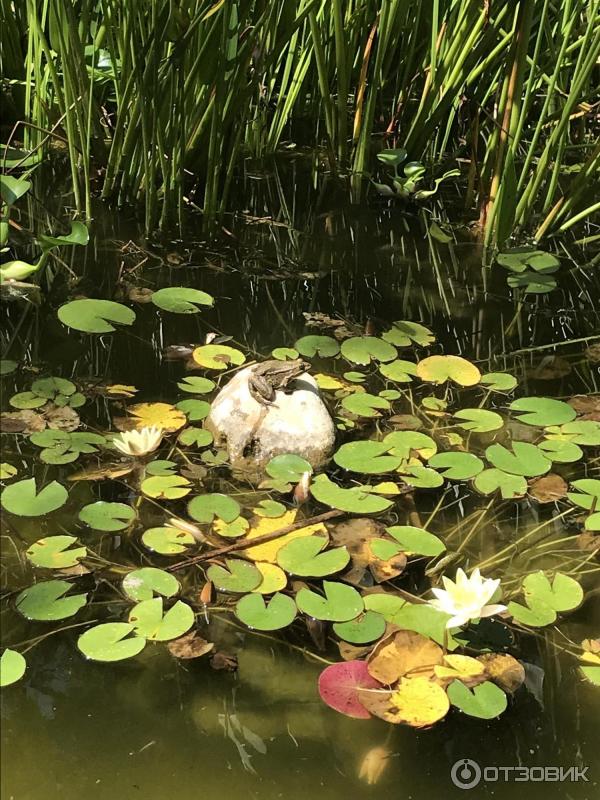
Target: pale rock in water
{"x":252,"y":433}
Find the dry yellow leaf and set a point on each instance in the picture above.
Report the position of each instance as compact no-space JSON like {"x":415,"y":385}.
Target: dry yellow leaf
{"x":263,"y":525}
{"x":403,"y":653}
{"x":463,"y":668}
{"x":121,"y":390}
{"x":274,"y":578}
{"x":159,"y":415}
{"x":420,"y":702}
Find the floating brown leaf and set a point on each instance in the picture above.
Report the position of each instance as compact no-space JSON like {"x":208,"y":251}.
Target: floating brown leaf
{"x":549,"y":488}
{"x":62,"y":419}
{"x":404,"y":653}
{"x":25,"y":421}
{"x":352,"y":652}
{"x":504,"y":670}
{"x":221,"y":660}
{"x":192,"y":645}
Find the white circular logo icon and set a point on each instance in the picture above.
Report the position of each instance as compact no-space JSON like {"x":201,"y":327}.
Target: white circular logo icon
{"x":465,"y":773}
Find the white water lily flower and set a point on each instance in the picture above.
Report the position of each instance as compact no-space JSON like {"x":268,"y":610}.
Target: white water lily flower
{"x":467,"y":598}
{"x":138,"y":442}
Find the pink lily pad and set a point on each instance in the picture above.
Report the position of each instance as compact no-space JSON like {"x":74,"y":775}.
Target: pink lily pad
{"x":339,"y":685}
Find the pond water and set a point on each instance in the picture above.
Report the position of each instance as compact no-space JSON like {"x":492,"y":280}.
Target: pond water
{"x":156,"y":727}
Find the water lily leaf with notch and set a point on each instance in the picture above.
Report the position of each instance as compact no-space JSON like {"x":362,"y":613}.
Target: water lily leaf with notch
{"x":356,"y":500}
{"x":466,"y":669}
{"x":144,"y":583}
{"x":195,"y":384}
{"x":563,"y":594}
{"x":272,"y":615}
{"x":240,"y":576}
{"x":157,"y":415}
{"x":420,"y":477}
{"x":161,"y":466}
{"x":7,"y":471}
{"x":51,"y":387}
{"x":341,"y":603}
{"x":364,"y":349}
{"x":485,"y":701}
{"x":580,"y":432}
{"x":95,"y":316}
{"x":104,"y":516}
{"x":498,"y":382}
{"x":269,"y":508}
{"x":46,"y":601}
{"x":525,"y":459}
{"x":200,"y":437}
{"x":273,"y":578}
{"x":12,"y":667}
{"x":149,"y":623}
{"x":543,"y":411}
{"x":284,"y":353}
{"x":303,"y":556}
{"x":167,"y":541}
{"x":110,"y":642}
{"x":195,"y":410}
{"x":181,"y":299}
{"x":339,"y":686}
{"x":532,"y":282}
{"x":367,"y":627}
{"x":231,"y":530}
{"x":416,"y":540}
{"x":52,"y":552}
{"x":409,"y":444}
{"x":419,"y":617}
{"x":166,"y":487}
{"x":364,"y":404}
{"x":366,"y":457}
{"x":479,"y":420}
{"x":79,"y":234}
{"x":457,"y":466}
{"x":205,"y":507}
{"x":493,"y":480}
{"x":561,"y":451}
{"x":439,"y":369}
{"x":537,"y":615}
{"x":587,"y":495}
{"x":399,"y":370}
{"x":11,"y":188}
{"x":404,"y":333}
{"x":310,"y":346}
{"x":23,"y":500}
{"x":25,"y":400}
{"x":288,"y":467}
{"x":519,"y":259}
{"x":7,"y":366}
{"x":217,"y":356}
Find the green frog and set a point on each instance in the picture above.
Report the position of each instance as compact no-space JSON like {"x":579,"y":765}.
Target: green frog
{"x":269,"y":376}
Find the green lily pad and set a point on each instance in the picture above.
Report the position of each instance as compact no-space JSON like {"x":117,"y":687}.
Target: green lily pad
{"x":366,"y":628}
{"x":536,"y":616}
{"x":364,"y":404}
{"x":95,"y":316}
{"x":532,"y":283}
{"x":166,"y":487}
{"x":543,"y":411}
{"x":12,"y":667}
{"x":592,"y":674}
{"x":499,"y":381}
{"x":561,"y":451}
{"x":161,"y":466}
{"x":366,"y":457}
{"x":563,"y":594}
{"x":421,"y":477}
{"x":493,"y":480}
{"x":355,"y":500}
{"x":288,"y":467}
{"x":217,"y":356}
{"x":103,"y":516}
{"x":231,"y":530}
{"x":404,"y":333}
{"x":580,"y":432}
{"x":285,"y":353}
{"x":324,"y":346}
{"x":399,"y":371}
{"x":7,"y":471}
{"x":167,"y":541}
{"x":525,"y":459}
{"x":181,"y":299}
{"x":303,"y":557}
{"x":479,"y":420}
{"x":407,"y":444}
{"x":270,"y":509}
{"x":200,"y":437}
{"x":240,"y":576}
{"x":276,"y":613}
{"x":195,"y":410}
{"x":24,"y":400}
{"x":416,"y":540}
{"x":520,"y":259}
{"x":457,"y":466}
{"x":22,"y":498}
{"x":149,"y":622}
{"x":110,"y":642}
{"x":419,"y":617}
{"x":46,"y":601}
{"x":439,"y":369}
{"x":7,"y":366}
{"x":52,"y":552}
{"x":364,"y":349}
{"x":206,"y":507}
{"x":485,"y":701}
{"x":341,"y":603}
{"x":195,"y":384}
{"x":144,"y":583}
{"x":587,"y":495}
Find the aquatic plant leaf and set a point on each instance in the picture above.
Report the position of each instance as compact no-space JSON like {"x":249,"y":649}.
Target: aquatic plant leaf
{"x":390,"y":394}
{"x":592,"y":674}
{"x":543,"y":411}
{"x":156,"y":415}
{"x":7,"y":471}
{"x":52,"y":552}
{"x":519,"y":259}
{"x":272,"y":615}
{"x":355,"y":500}
{"x":288,"y":467}
{"x":592,"y":523}
{"x":323,"y":346}
{"x":439,"y":369}
{"x":419,"y":617}
{"x":12,"y":667}
{"x":217,"y":356}
{"x":457,"y":466}
{"x":498,"y":382}
{"x":195,"y":384}
{"x":265,"y":525}
{"x":364,"y":404}
{"x":466,"y":669}
{"x":7,"y":366}
{"x":329,"y":383}
{"x":273,"y":578}
{"x":303,"y":556}
{"x":366,"y":457}
{"x":532,"y":283}
{"x":420,"y":477}
{"x":269,"y":508}
{"x":205,"y":507}
{"x":200,"y":437}
{"x":367,"y":627}
{"x":392,"y":157}
{"x":535,"y":615}
{"x":587,"y":494}
{"x":17,"y":270}
{"x":240,"y":576}
{"x":341,"y":603}
{"x":23,"y":499}
{"x":485,"y":701}
{"x":144,"y":583}
{"x":95,"y":316}
{"x":149,"y":623}
{"x":561,"y":451}
{"x":104,"y":516}
{"x":51,"y":387}
{"x":479,"y":420}
{"x":339,"y":685}
{"x":195,"y":410}
{"x":231,"y":530}
{"x":407,"y":444}
{"x":284,"y":353}
{"x":364,"y":349}
{"x":404,"y":333}
{"x":46,"y":601}
{"x":525,"y":459}
{"x":79,"y":234}
{"x":110,"y":641}
{"x":399,"y":371}
{"x":403,"y":653}
{"x":416,"y":540}
{"x":493,"y":480}
{"x":580,"y":432}
{"x":563,"y":594}
{"x":181,"y":299}
{"x":161,"y":466}
{"x":416,"y":701}
{"x":165,"y":487}
{"x":355,"y":377}
{"x":11,"y":188}
{"x":167,"y":541}
{"x":24,"y":400}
